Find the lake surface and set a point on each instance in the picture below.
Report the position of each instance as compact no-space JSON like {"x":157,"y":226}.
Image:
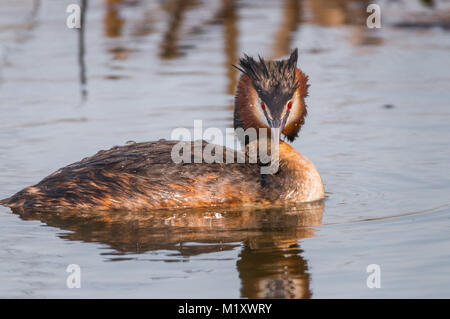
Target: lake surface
{"x":378,"y":130}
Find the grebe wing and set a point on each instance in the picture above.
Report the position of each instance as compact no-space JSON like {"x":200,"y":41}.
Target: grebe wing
{"x":138,"y":159}
{"x":139,"y":176}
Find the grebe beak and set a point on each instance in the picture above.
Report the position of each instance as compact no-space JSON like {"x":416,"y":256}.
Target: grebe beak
{"x":277,"y":124}
{"x":276,"y":127}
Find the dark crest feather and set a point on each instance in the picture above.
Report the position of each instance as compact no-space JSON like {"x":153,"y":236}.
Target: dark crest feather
{"x":274,"y":81}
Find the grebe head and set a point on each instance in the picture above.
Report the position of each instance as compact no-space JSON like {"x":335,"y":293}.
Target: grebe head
{"x":271,"y":94}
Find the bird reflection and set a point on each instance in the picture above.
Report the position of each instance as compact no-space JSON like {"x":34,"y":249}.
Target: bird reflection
{"x":270,"y":263}
{"x":277,"y":271}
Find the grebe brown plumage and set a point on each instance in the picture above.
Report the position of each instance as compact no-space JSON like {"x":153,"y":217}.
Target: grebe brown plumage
{"x":142,"y":176}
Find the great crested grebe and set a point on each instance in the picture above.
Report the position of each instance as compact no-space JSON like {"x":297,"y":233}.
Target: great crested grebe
{"x":142,"y":176}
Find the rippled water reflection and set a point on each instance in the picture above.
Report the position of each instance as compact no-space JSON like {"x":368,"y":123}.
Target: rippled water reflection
{"x":270,"y":262}
{"x":378,"y":131}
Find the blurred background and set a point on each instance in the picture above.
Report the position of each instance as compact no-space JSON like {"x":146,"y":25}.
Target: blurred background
{"x":377,"y":130}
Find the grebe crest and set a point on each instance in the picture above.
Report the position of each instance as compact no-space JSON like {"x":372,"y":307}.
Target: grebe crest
{"x":271,"y":94}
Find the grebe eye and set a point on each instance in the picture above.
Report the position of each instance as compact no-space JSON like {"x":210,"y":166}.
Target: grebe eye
{"x":289,"y":106}
{"x":263,"y":106}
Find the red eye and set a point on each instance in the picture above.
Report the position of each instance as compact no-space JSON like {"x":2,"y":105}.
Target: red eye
{"x":263,"y":106}
{"x":289,"y":106}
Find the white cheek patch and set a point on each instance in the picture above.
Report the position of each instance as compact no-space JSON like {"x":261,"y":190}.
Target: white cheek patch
{"x":260,"y":113}
{"x":294,"y":112}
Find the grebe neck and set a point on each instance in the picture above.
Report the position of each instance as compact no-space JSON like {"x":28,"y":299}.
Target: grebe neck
{"x":297,"y":179}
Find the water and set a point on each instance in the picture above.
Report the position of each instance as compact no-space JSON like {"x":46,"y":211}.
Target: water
{"x":377,"y":130}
